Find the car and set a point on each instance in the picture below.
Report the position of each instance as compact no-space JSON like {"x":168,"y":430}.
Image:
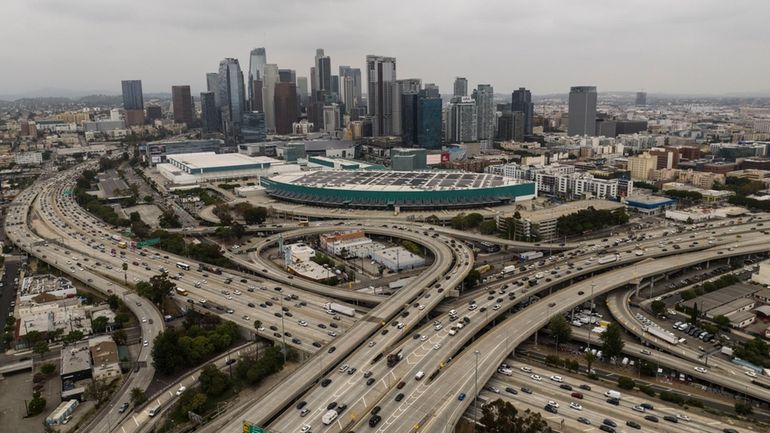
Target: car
{"x":372,"y":343}
{"x":400,"y":396}
{"x":374,"y":420}
{"x":575,"y":406}
{"x":325,"y":382}
{"x":352,"y":370}
{"x":400,"y":385}
{"x":647,"y":406}
{"x":557,"y":378}
{"x":231,"y":361}
{"x":461,"y":397}
{"x":633,"y":424}
{"x":376,"y":410}
{"x":551,"y":409}
{"x":750,"y":373}
{"x":368,"y":374}
{"x":437,"y":346}
{"x":301,"y":404}
{"x":638,"y":408}
{"x":370,"y":381}
{"x":181,"y":390}
{"x":123,"y":407}
{"x":145,"y":343}
{"x":651,"y":418}
{"x":701,"y":370}
{"x":671,"y":418}
{"x":526,"y":390}
{"x":423,"y":338}
{"x":536,"y":377}
{"x":682,"y":417}
{"x":331,"y":405}
{"x":491,"y":388}
{"x":341,"y":408}
{"x":613,"y":401}
{"x":584,"y":420}
{"x":609,"y":422}
{"x":304,"y":411}
{"x":566,"y":386}
{"x":585,"y":387}
{"x":729,"y":430}
{"x":553,"y":403}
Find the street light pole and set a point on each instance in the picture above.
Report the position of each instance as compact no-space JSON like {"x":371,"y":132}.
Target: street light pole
{"x":592,"y":315}
{"x":476,"y":392}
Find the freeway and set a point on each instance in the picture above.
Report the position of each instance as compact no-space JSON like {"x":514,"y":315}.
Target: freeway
{"x":719,"y":371}
{"x":458,"y":377}
{"x":17,"y":231}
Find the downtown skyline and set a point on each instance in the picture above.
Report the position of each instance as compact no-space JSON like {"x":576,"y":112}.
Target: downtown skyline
{"x":547,"y":48}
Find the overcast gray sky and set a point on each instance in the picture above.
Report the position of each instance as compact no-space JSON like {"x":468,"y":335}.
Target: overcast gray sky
{"x":679,"y":46}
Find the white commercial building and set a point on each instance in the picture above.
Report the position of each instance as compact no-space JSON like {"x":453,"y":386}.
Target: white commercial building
{"x":397,"y":259}
{"x":299,"y":252}
{"x":194,"y":168}
{"x":763,"y":275}
{"x":32,"y":287}
{"x":62,"y":411}
{"x":28,"y":158}
{"x":67,"y":315}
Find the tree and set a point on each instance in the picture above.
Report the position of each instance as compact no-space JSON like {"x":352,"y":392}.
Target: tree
{"x":613,"y":340}
{"x":647,"y":369}
{"x":41,"y":348}
{"x":472,"y":279}
{"x":166,"y":353}
{"x":694,"y":314}
{"x":113,"y":301}
{"x":488,"y":227}
{"x":502,"y":417}
{"x":626,"y":382}
{"x":72,"y":337}
{"x":99,"y":324}
{"x":48,"y":368}
{"x":119,"y":337}
{"x":36,"y":405}
{"x":560,"y":329}
{"x":721,"y":321}
{"x":743,"y":408}
{"x":125,"y":274}
{"x":97,"y":390}
{"x":213,"y":382}
{"x":137,"y":396}
{"x":156,"y":289}
{"x":222,"y":211}
{"x":237,"y":230}
{"x":590,"y":359}
{"x":192,"y":401}
{"x":658,"y":307}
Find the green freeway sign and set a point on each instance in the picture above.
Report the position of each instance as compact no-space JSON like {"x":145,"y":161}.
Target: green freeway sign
{"x":148,"y":242}
{"x":251,"y":428}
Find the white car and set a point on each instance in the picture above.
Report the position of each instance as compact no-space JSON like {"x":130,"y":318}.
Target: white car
{"x":145,"y":344}
{"x":526,"y":369}
{"x":302,"y":323}
{"x":536,"y":377}
{"x":682,"y":417}
{"x":181,"y":390}
{"x":639,"y":408}
{"x":701,"y":370}
{"x":372,"y":343}
{"x":437,"y":346}
{"x":557,"y":379}
{"x":575,"y":406}
{"x":553,"y":404}
{"x":144,"y":320}
{"x":750,"y":373}
{"x":305,"y":428}
{"x":421,"y":307}
{"x":423,"y":338}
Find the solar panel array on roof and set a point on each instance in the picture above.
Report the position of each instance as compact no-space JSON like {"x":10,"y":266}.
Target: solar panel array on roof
{"x":413,"y":180}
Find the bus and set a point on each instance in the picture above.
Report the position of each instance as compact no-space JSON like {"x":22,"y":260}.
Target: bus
{"x":180,"y":291}
{"x":484,"y":269}
{"x":182,"y":265}
{"x":122,"y":244}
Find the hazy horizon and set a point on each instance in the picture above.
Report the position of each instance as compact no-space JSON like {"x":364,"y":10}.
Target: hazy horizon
{"x":686,"y":47}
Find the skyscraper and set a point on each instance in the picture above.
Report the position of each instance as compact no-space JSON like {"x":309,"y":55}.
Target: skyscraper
{"x":302,"y":90}
{"x":485,"y":112}
{"x":132,"y":95}
{"x":431,"y":90}
{"x":231,"y":97}
{"x":510,"y":126}
{"x":323,"y":71}
{"x":405,"y":111}
{"x":381,"y":75}
{"x":133,"y":102}
{"x":582,"y":111}
{"x":350,"y":87}
{"x":462,"y":122}
{"x":268,"y":95}
{"x":209,"y":113}
{"x":287,"y":76}
{"x":286,"y":114}
{"x":521,"y":101}
{"x":183,"y":105}
{"x":257,"y":100}
{"x":461,"y":87}
{"x":641,"y":99}
{"x":253,"y":127}
{"x":211,"y":81}
{"x":428,"y":120}
{"x":257,"y":62}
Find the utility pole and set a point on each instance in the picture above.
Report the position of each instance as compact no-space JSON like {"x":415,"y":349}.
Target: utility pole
{"x":476,"y":392}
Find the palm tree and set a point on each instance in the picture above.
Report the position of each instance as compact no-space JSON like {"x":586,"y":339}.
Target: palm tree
{"x":590,"y":358}
{"x":257,"y":326}
{"x":125,"y":275}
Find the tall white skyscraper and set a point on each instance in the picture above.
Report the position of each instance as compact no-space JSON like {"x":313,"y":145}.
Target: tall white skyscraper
{"x":381,"y":77}
{"x":462,"y":120}
{"x":268,"y":95}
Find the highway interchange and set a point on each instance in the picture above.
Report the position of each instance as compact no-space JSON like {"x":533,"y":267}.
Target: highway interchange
{"x":64,"y":235}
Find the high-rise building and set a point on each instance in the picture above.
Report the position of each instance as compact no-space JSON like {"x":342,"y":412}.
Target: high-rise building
{"x":510,"y":126}
{"x":428,"y":120}
{"x":183,"y":105}
{"x":154,"y":112}
{"x":462,"y":122}
{"x":409,"y":86}
{"x":323,"y":71}
{"x":287,"y":76}
{"x":641,"y":165}
{"x":253,"y":127}
{"x":335,"y":89}
{"x":641,"y":99}
{"x":268,"y":95}
{"x":350,"y":87}
{"x":133,"y":102}
{"x":231,"y":97}
{"x":132,"y":95}
{"x":211,"y":81}
{"x":302,"y":90}
{"x":257,"y":62}
{"x":332,"y":117}
{"x":209,"y":113}
{"x":409,"y":107}
{"x":257,"y":100}
{"x":380,"y":76}
{"x":582,"y":111}
{"x":521,"y":101}
{"x":285,"y":104}
{"x":431,"y":90}
{"x":461,"y":87}
{"x":485,"y":112}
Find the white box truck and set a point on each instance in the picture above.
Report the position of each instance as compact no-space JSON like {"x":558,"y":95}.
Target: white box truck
{"x":612,"y":394}
{"x":340,"y":309}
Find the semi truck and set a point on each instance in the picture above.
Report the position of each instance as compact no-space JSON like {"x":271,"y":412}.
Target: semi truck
{"x":332,"y":306}
{"x":509,"y":269}
{"x":608,"y":259}
{"x":204,"y":267}
{"x":530,"y":255}
{"x":664,"y":335}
